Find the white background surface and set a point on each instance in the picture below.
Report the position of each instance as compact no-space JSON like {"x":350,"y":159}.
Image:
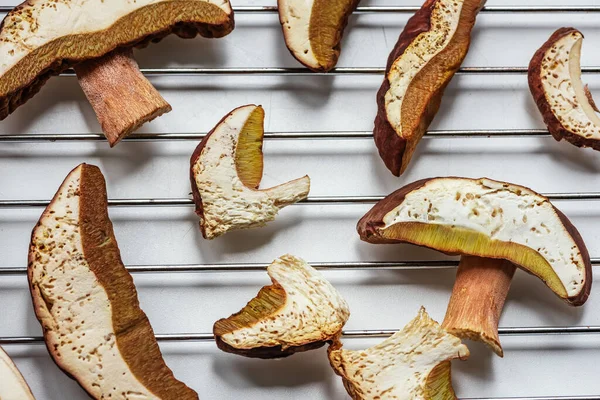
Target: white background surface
{"x":176,"y":303}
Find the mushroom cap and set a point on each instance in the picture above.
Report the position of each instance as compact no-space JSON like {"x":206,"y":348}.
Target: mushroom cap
{"x":411,"y":364}
{"x":555,"y":83}
{"x":486,"y":218}
{"x":300,"y":311}
{"x":41,"y":38}
{"x":313,"y":29}
{"x":12,"y":383}
{"x":428,"y":53}
{"x":86,"y":301}
{"x":225,"y":171}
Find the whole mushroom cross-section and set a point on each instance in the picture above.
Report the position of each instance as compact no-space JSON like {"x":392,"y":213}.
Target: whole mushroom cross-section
{"x":428,"y":53}
{"x":86,"y":301}
{"x":300,"y":311}
{"x":225,"y":171}
{"x":313,"y":29}
{"x":489,"y":220}
{"x":12,"y":383}
{"x":42,"y":38}
{"x":555,"y":83}
{"x":413,"y":364}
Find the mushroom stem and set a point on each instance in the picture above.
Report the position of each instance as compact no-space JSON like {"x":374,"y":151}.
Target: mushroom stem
{"x":121,"y":96}
{"x":477,"y":299}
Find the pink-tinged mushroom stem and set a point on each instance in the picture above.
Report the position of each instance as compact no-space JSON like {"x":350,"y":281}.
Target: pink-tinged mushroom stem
{"x":121,"y":96}
{"x":478,"y":297}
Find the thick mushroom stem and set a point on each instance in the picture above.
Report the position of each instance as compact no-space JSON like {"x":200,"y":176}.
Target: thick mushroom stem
{"x":477,"y":299}
{"x":121,"y":96}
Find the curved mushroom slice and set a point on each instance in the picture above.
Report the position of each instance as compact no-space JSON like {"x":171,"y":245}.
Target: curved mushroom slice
{"x":300,"y":311}
{"x":488,"y":219}
{"x":226,"y":169}
{"x":555,"y":83}
{"x":429,"y":51}
{"x":86,"y":301}
{"x":313,"y":29}
{"x":12,"y":384}
{"x":41,"y":38}
{"x":414,"y":363}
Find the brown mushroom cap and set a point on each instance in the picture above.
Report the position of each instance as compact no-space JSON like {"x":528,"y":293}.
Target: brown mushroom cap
{"x":428,"y":53}
{"x":313,"y":29}
{"x":86,"y":300}
{"x":41,"y":38}
{"x":490,"y":219}
{"x":555,"y":83}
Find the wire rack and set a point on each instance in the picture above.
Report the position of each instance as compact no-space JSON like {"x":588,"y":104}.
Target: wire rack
{"x":322,"y":200}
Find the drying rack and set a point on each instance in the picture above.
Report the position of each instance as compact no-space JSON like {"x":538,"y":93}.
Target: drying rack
{"x":320,"y":200}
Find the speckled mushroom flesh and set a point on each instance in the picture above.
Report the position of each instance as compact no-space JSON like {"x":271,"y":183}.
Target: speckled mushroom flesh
{"x":428,"y":53}
{"x":313,"y":30}
{"x":555,"y":83}
{"x":492,"y":221}
{"x":12,"y":383}
{"x":86,"y":301}
{"x":41,"y":38}
{"x":413,"y":364}
{"x":225,"y":171}
{"x":300,"y":311}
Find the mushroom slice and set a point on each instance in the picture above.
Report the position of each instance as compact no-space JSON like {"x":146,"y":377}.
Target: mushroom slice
{"x":490,"y":220}
{"x":86,"y":301}
{"x":428,"y":53}
{"x":225,"y":171}
{"x":412,"y":364}
{"x":12,"y":384}
{"x":313,"y":29}
{"x":555,"y":83}
{"x":300,"y":311}
{"x":41,"y":38}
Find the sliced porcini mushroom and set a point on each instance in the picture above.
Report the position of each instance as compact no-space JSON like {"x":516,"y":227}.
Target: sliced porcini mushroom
{"x":313,"y":30}
{"x":225,"y":171}
{"x":300,"y":311}
{"x":86,"y":300}
{"x":12,"y":383}
{"x":555,"y":83}
{"x":414,"y":363}
{"x":42,"y":38}
{"x":428,"y":53}
{"x":486,"y":219}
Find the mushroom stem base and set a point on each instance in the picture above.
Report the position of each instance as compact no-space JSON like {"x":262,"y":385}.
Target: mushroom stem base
{"x":121,"y":96}
{"x":477,"y":300}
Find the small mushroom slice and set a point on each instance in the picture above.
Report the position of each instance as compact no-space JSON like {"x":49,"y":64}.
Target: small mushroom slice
{"x":300,"y":311}
{"x":428,"y":53}
{"x":313,"y":29}
{"x":42,"y":38}
{"x":555,"y":83}
{"x":225,"y":171}
{"x":86,"y":300}
{"x":413,"y":364}
{"x":491,"y":220}
{"x":12,"y":384}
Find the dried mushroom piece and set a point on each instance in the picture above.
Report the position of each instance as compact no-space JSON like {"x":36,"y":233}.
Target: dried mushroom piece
{"x":300,"y":311}
{"x":313,"y":29}
{"x":42,"y":38}
{"x":12,"y":384}
{"x":429,"y":51}
{"x":491,"y":220}
{"x":86,"y":300}
{"x":555,"y":83}
{"x":413,"y":364}
{"x":225,"y":171}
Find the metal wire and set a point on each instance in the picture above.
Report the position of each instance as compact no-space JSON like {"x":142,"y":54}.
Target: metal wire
{"x":412,"y":9}
{"x":331,"y":135}
{"x":316,"y":200}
